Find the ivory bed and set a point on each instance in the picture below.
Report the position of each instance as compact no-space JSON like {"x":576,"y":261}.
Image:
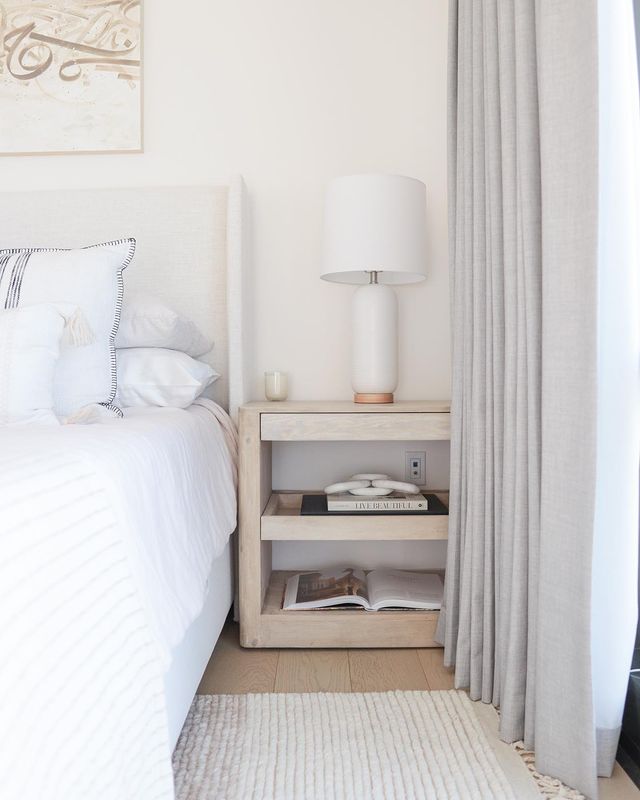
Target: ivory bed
{"x":190,"y":254}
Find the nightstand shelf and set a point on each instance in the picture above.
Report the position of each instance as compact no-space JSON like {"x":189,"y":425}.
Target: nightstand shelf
{"x":266,"y":516}
{"x":281,"y":521}
{"x":342,"y":628}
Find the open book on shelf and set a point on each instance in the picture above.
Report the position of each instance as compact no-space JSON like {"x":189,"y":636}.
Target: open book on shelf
{"x":376,"y":590}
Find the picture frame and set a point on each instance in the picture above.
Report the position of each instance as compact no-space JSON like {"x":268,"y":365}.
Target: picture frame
{"x":71,"y":77}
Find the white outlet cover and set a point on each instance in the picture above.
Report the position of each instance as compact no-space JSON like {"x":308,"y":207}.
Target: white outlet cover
{"x":413,"y":474}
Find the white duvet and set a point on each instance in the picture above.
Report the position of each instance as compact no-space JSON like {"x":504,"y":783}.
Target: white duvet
{"x":107,"y":534}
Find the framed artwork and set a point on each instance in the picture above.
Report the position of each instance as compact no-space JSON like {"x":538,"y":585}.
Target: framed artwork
{"x":70,"y":76}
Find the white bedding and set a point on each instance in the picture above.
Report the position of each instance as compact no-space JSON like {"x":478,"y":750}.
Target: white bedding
{"x":107,"y":534}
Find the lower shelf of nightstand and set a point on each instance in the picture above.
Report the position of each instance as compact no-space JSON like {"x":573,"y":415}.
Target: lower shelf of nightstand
{"x":336,"y":628}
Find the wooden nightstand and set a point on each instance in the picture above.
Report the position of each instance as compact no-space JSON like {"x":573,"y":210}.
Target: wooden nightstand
{"x":266,"y":516}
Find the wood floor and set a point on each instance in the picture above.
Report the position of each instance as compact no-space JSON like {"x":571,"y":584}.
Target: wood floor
{"x":234,"y":670}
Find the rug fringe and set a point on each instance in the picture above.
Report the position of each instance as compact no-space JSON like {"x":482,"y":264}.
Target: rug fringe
{"x":550,"y":788}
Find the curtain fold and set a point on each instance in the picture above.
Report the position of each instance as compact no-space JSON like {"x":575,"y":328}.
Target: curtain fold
{"x":568,"y":84}
{"x":524,"y":211}
{"x":495,"y":245}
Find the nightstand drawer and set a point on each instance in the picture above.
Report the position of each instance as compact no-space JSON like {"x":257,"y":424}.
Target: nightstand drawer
{"x":377,"y":426}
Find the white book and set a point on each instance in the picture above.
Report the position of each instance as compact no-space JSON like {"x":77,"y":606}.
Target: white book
{"x":395,"y":501}
{"x":380,"y":588}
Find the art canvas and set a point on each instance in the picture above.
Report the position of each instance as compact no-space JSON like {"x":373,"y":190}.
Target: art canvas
{"x":70,"y":76}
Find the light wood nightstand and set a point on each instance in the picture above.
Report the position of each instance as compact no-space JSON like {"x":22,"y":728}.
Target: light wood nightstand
{"x":266,"y":516}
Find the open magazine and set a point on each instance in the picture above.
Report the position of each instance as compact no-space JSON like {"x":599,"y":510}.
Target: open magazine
{"x":380,"y":588}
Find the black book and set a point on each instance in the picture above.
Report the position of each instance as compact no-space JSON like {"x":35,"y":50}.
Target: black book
{"x":315,"y":505}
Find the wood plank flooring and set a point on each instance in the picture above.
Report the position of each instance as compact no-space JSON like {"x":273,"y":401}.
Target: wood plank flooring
{"x":380,"y":670}
{"x":235,"y":670}
{"x":308,"y":671}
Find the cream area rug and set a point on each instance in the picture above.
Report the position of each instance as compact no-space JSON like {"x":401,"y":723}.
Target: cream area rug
{"x":374,"y":746}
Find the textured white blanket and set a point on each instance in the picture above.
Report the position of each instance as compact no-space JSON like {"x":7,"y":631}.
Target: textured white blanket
{"x":81,"y":705}
{"x":107,"y":533}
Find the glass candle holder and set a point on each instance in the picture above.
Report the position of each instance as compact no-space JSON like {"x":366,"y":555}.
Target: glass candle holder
{"x":275,"y":385}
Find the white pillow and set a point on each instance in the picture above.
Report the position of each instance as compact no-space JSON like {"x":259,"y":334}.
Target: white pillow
{"x":91,"y":280}
{"x":29,"y":349}
{"x":149,"y":322}
{"x":155,"y":376}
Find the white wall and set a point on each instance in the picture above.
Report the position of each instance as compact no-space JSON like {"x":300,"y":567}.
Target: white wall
{"x":291,"y":93}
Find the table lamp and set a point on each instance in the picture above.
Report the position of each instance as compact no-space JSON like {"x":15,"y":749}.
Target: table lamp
{"x":374,"y":235}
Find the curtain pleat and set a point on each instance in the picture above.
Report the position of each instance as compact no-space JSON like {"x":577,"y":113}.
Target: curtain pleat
{"x":568,"y":89}
{"x":501,"y":616}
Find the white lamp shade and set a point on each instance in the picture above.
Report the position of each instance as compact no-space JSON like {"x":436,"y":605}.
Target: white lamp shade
{"x":375,"y":222}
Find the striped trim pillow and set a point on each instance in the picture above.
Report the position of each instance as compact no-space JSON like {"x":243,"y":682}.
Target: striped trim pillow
{"x":90,"y":279}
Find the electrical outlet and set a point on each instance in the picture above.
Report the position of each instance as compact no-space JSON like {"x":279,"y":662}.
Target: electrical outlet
{"x":416,"y":467}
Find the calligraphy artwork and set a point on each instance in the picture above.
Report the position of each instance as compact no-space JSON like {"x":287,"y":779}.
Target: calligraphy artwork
{"x":70,"y":76}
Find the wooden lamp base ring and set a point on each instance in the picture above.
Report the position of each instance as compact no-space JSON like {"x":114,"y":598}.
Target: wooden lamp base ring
{"x":373,"y":397}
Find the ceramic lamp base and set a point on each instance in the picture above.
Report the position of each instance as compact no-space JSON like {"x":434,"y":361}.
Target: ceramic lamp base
{"x":373,"y":397}
{"x":374,"y":344}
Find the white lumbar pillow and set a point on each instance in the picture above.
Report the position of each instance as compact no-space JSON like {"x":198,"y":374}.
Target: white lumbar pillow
{"x":156,"y":376}
{"x":149,"y":322}
{"x":91,"y":280}
{"x":29,"y":349}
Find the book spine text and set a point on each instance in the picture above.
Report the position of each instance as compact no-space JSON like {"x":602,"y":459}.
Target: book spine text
{"x":376,"y":505}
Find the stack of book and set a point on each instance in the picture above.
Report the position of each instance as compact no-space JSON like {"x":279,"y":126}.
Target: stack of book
{"x":395,"y":503}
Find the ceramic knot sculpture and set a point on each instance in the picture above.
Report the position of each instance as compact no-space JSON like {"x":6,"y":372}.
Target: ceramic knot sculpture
{"x":371,"y":484}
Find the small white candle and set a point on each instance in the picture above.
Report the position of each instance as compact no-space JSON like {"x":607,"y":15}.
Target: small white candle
{"x":275,"y":385}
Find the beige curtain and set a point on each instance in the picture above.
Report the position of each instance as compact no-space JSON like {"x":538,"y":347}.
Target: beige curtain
{"x":523,"y":183}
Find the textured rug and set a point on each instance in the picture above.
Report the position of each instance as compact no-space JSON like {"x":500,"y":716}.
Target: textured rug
{"x":377,"y":746}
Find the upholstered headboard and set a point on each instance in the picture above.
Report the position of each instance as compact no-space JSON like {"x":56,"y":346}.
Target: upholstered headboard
{"x":190,"y":252}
